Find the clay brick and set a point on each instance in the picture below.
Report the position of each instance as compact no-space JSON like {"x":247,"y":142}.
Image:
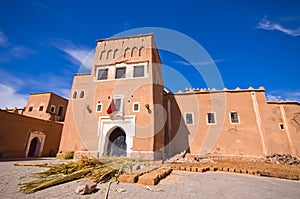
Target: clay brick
{"x":128,"y":178}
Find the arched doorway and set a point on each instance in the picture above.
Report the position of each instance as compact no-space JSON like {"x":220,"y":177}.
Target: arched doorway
{"x":117,"y":143}
{"x":34,"y":147}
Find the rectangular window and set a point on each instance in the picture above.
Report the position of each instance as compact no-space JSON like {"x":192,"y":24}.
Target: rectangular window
{"x":60,"y":110}
{"x":138,"y":71}
{"x":189,"y":119}
{"x":99,"y":107}
{"x":234,"y":117}
{"x":41,"y":108}
{"x":281,"y":126}
{"x":118,"y":101}
{"x":120,"y":72}
{"x":118,"y":104}
{"x":30,"y":109}
{"x":136,"y":107}
{"x":102,"y":74}
{"x":211,"y":118}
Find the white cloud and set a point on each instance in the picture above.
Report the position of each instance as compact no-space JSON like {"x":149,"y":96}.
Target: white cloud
{"x":266,"y":24}
{"x":79,"y":54}
{"x":283,"y":95}
{"x":10,"y":98}
{"x":12,"y":51}
{"x":203,"y":63}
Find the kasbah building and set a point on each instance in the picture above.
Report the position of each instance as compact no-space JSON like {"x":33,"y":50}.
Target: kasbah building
{"x":122,"y":109}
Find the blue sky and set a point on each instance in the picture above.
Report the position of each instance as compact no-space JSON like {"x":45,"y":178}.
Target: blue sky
{"x":253,"y":43}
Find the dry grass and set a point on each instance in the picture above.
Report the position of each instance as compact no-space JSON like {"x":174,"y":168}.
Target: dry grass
{"x":99,"y":170}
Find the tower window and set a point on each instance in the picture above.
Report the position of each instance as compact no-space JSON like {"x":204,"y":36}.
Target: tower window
{"x":138,"y":71}
{"x":30,"y":109}
{"x":211,"y":118}
{"x":102,"y":74}
{"x":189,"y":119}
{"x":74,"y":94}
{"x":281,"y":126}
{"x":41,"y":108}
{"x":120,"y":72}
{"x":234,"y":117}
{"x":81,"y":95}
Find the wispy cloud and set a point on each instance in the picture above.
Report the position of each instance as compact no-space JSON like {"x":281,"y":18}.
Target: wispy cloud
{"x":3,"y":39}
{"x":283,"y":95}
{"x":79,"y":54}
{"x":10,"y":98}
{"x":201,"y":63}
{"x":266,"y":24}
{"x":11,"y":51}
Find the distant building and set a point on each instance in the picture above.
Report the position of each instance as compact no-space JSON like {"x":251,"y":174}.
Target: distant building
{"x":35,"y":130}
{"x":122,"y":109}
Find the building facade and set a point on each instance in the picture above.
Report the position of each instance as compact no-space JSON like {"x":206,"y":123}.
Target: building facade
{"x":122,"y":109}
{"x":35,"y":130}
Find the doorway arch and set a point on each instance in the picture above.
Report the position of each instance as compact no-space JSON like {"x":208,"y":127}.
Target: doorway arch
{"x":34,"y":147}
{"x":116,"y":145}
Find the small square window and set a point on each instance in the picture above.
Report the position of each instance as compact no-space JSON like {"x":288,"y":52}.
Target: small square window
{"x":136,"y":107}
{"x":138,"y":71}
{"x":211,"y":118}
{"x":52,"y":109}
{"x":120,"y":72}
{"x":281,"y":126}
{"x":102,"y":74}
{"x":30,"y":109}
{"x":234,"y":117}
{"x":41,"y":108}
{"x":99,"y":107}
{"x":189,"y":118}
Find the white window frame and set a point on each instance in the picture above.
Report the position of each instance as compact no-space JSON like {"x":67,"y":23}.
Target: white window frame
{"x":53,"y":109}
{"x":97,"y":73}
{"x":84,"y":94}
{"x":193,"y":118}
{"x":120,"y":112}
{"x":98,"y":111}
{"x":215,"y":117}
{"x":239,"y":121}
{"x":138,"y":107}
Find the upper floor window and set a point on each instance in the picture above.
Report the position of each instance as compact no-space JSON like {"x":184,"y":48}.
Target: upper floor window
{"x":211,"y":118}
{"x":138,"y":71}
{"x":118,"y":102}
{"x":74,"y":94}
{"x":30,"y":109}
{"x":41,"y":108}
{"x":81,"y":95}
{"x":102,"y":74}
{"x":234,"y":117}
{"x":189,"y":119}
{"x":120,"y":72}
